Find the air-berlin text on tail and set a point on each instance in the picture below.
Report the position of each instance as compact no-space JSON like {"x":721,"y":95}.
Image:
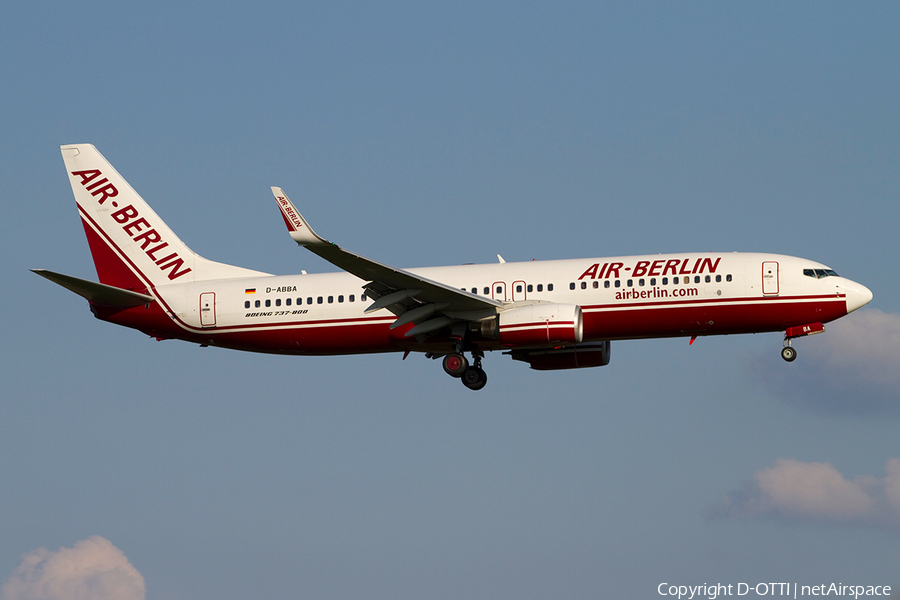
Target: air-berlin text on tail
{"x":656,"y":268}
{"x":135,"y":226}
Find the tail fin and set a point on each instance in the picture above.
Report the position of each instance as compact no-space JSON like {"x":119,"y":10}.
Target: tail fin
{"x":132,"y":247}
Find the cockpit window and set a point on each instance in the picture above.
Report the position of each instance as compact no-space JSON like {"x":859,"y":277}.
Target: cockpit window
{"x":820,"y":273}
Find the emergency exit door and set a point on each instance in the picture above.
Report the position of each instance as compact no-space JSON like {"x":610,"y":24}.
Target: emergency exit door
{"x":770,"y":278}
{"x":208,"y":309}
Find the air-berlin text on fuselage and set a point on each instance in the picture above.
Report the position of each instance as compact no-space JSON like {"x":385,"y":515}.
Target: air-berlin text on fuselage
{"x":135,"y":226}
{"x":656,"y":268}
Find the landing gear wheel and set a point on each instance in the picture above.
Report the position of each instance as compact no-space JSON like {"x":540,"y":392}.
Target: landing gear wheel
{"x":474,"y":378}
{"x":788,"y":353}
{"x":455,"y":365}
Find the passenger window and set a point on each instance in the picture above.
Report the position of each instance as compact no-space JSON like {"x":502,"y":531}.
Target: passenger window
{"x":278,"y":302}
{"x":606,"y":283}
{"x":287,"y":301}
{"x":529,"y":288}
{"x":618,"y":283}
{"x":340,"y":298}
{"x":572,"y":286}
{"x":362,"y":298}
{"x":257,"y":304}
{"x":653,"y":281}
{"x":549,"y":287}
{"x":584,"y":285}
{"x":320,"y":300}
{"x":540,"y":287}
{"x":728,"y":277}
{"x":665,"y":281}
{"x":674,"y":280}
{"x":708,"y":279}
{"x":487,"y":291}
{"x":309,"y":300}
{"x":596,"y":284}
{"x":641,"y":282}
{"x":518,"y":289}
{"x":268,"y":303}
{"x":330,"y":299}
{"x":630,"y":283}
{"x":718,"y":279}
{"x":351,"y":298}
{"x":696,"y":279}
{"x":474,"y":290}
{"x":499,"y":289}
{"x":247,"y":304}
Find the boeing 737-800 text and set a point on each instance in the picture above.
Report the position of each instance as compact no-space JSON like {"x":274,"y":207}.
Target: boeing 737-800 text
{"x":558,"y":314}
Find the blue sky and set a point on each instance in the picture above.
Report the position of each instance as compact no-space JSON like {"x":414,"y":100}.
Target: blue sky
{"x":425,"y":134}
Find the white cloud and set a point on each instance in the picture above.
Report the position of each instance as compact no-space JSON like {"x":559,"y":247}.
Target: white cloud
{"x":93,"y":569}
{"x":853,"y":367}
{"x":818,"y":492}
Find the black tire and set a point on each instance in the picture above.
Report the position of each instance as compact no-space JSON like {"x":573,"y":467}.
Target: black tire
{"x":788,"y":353}
{"x":474,"y":378}
{"x":455,"y":365}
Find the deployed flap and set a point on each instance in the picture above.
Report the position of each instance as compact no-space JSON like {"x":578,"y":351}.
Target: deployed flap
{"x":384,"y":279}
{"x":97,"y":292}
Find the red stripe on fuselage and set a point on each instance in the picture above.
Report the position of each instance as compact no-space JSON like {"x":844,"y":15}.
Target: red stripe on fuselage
{"x":745,"y":316}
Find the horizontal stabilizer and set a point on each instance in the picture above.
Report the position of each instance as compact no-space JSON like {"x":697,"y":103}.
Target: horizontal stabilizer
{"x":97,"y":292}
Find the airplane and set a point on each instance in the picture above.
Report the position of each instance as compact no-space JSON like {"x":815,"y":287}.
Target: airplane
{"x":553,"y":314}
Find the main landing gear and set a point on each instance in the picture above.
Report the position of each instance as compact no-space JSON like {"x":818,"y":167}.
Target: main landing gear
{"x":456,"y":365}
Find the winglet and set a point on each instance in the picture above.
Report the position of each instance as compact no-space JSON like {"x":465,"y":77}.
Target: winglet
{"x":297,"y":226}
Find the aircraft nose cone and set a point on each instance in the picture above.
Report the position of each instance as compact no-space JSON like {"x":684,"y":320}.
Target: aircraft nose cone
{"x":858,"y":295}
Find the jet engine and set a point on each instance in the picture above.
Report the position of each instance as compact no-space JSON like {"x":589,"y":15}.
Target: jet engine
{"x":536,"y":325}
{"x":590,"y":354}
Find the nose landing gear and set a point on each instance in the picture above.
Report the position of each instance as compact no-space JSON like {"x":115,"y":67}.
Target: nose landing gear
{"x":788,"y":353}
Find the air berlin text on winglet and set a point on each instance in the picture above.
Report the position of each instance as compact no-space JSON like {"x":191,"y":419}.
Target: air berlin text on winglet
{"x":289,"y":213}
{"x":132,"y":224}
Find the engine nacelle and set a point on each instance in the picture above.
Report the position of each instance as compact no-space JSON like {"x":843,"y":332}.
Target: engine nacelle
{"x":540,"y":324}
{"x":591,"y":354}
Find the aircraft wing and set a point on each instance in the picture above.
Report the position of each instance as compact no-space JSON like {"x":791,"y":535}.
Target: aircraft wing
{"x":430,"y":305}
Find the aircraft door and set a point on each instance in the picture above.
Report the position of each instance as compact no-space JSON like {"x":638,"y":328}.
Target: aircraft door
{"x":498,"y":291}
{"x":208,"y":309}
{"x":770,"y":278}
{"x":518,"y":291}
